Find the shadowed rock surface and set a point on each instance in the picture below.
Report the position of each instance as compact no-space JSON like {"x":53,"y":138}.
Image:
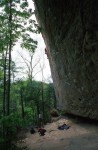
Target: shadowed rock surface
{"x":70,"y":31}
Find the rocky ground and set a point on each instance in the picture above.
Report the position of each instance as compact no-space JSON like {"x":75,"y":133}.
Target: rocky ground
{"x":82,"y":135}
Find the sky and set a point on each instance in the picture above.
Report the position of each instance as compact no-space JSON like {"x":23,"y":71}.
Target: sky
{"x":39,"y":57}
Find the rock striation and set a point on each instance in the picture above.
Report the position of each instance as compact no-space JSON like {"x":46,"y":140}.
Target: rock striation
{"x":70,"y":32}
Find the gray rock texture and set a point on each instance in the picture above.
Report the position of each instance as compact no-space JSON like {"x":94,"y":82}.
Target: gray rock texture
{"x":70,"y":31}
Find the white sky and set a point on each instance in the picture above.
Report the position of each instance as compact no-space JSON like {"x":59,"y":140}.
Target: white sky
{"x":39,"y":54}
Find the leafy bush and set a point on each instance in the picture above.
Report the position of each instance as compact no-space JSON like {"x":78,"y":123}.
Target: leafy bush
{"x":12,"y":122}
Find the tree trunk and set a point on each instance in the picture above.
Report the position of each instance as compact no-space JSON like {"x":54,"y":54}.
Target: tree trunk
{"x":43,"y":107}
{"x":4,"y":91}
{"x":22,"y":105}
{"x":10,"y":49}
{"x":4,"y":85}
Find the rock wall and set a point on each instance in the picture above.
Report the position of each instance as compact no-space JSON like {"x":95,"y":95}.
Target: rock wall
{"x":70,"y":31}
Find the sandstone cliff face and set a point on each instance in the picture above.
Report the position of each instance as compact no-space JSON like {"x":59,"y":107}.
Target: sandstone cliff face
{"x":70,"y":31}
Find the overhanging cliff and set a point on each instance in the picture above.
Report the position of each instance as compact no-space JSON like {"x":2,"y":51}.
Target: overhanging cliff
{"x":70,"y":31}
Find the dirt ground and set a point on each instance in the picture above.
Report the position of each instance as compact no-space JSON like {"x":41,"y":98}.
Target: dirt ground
{"x":81,"y":135}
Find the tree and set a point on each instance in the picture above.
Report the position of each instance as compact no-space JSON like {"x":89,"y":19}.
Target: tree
{"x":14,"y":16}
{"x":30,"y":65}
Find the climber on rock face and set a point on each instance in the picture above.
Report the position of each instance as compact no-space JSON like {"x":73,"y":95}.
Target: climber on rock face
{"x":46,"y":52}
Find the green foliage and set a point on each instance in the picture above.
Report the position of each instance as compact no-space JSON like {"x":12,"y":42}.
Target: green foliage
{"x":20,"y":23}
{"x":29,"y":115}
{"x":24,"y":4}
{"x":12,"y":122}
{"x":1,"y":75}
{"x":29,"y":43}
{"x":34,"y":91}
